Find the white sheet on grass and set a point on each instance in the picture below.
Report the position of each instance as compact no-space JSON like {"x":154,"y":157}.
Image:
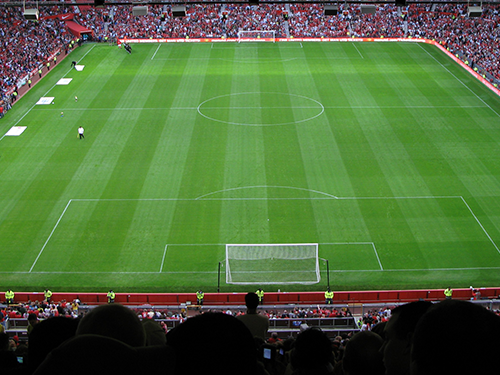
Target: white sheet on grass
{"x":45,"y":100}
{"x":64,"y":81}
{"x":16,"y":131}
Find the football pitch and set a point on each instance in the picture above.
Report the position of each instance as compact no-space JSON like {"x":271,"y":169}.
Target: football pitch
{"x":386,"y":155}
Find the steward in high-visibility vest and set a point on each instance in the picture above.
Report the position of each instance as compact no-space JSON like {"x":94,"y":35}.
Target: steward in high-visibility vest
{"x":199,"y":297}
{"x":260,"y":294}
{"x":111,"y":296}
{"x":48,"y":295}
{"x":448,"y":292}
{"x":9,"y":296}
{"x":329,"y":297}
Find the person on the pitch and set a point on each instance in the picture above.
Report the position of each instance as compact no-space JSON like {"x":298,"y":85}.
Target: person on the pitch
{"x":80,"y":132}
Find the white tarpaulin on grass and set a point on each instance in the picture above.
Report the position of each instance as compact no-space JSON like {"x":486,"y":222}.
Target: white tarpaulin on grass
{"x":16,"y":130}
{"x":64,"y":81}
{"x":45,"y":100}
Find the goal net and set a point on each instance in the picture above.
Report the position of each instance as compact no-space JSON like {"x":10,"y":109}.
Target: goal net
{"x":272,"y":264}
{"x":256,"y":36}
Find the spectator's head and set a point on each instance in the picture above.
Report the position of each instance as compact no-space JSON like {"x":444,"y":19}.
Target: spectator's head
{"x":91,"y":354}
{"x":251,"y":301}
{"x":32,"y":319}
{"x":116,"y":321}
{"x":362,"y":355}
{"x":439,"y":345}
{"x":312,"y":353}
{"x":379,"y":329}
{"x":155,"y":335}
{"x":48,"y":335}
{"x":4,"y":341}
{"x":398,"y":334}
{"x":219,"y":343}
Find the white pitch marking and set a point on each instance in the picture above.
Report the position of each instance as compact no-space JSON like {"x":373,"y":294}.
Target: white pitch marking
{"x":156,"y":51}
{"x":301,"y":107}
{"x":376,"y":254}
{"x":467,"y":87}
{"x":329,"y":196}
{"x":354,"y":45}
{"x":163,"y":259}
{"x":34,"y":105}
{"x":215,"y":272}
{"x":266,"y":186}
{"x":420,"y":269}
{"x":481,"y":225}
{"x":50,"y":235}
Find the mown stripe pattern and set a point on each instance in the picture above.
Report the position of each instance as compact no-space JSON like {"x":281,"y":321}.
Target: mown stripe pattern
{"x":386,"y":154}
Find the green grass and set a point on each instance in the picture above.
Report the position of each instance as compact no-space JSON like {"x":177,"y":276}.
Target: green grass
{"x":385,"y":154}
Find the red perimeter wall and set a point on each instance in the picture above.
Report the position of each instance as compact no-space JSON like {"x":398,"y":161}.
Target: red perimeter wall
{"x":282,"y":298}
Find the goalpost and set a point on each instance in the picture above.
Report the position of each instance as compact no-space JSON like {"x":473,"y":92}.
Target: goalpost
{"x":257,"y":36}
{"x":272,"y":264}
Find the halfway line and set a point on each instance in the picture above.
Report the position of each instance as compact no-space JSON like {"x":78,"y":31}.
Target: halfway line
{"x":288,"y":107}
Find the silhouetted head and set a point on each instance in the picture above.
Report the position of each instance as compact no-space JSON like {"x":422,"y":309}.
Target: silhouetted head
{"x":362,"y":355}
{"x":116,"y":321}
{"x":251,"y":300}
{"x":398,"y":334}
{"x":47,"y":335}
{"x":455,"y":337}
{"x":312,"y":352}
{"x":219,"y":343}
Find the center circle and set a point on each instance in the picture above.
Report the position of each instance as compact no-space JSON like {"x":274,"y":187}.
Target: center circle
{"x":259,"y":108}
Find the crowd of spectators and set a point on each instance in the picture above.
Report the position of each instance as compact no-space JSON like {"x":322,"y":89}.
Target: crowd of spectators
{"x":476,"y":39}
{"x":297,"y":312}
{"x":25,"y":46}
{"x":41,"y":310}
{"x":415,"y":338}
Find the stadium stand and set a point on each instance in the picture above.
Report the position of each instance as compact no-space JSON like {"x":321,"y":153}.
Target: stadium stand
{"x":287,"y":316}
{"x":27,"y":46}
{"x":25,"y":49}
